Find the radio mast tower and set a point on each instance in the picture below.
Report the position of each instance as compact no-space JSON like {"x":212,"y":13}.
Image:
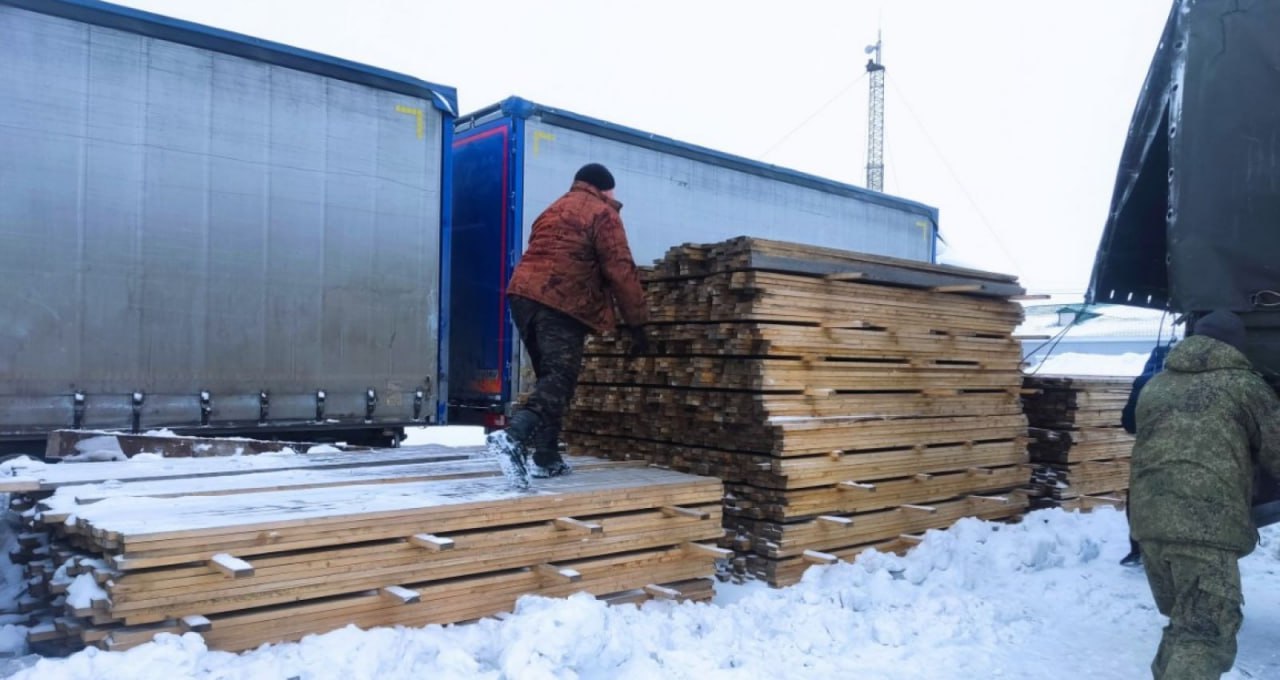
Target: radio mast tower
{"x":875,"y":119}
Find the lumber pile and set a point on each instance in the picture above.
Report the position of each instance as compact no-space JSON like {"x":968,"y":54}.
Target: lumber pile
{"x":258,"y":549}
{"x":1079,"y":451}
{"x":846,"y":400}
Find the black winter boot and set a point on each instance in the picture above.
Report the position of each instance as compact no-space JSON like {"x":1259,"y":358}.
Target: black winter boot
{"x":508,"y":446}
{"x":1134,"y":558}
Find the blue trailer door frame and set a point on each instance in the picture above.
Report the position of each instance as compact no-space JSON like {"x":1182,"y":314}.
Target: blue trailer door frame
{"x":486,"y":242}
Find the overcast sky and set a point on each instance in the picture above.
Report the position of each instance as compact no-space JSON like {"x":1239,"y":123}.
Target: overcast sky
{"x":1007,"y":115}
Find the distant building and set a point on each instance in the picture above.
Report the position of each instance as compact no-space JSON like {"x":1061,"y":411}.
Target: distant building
{"x":1098,"y":329}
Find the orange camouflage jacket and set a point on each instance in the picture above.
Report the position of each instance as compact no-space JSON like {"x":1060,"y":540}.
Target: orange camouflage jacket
{"x":578,"y":262}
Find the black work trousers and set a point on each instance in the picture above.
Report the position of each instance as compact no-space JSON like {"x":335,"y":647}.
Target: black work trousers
{"x":554,"y":341}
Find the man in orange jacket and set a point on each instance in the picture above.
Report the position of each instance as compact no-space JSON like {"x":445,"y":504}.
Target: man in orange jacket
{"x":577,"y":265}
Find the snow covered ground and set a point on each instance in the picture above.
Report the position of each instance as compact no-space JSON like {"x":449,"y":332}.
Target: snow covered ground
{"x":444,"y":436}
{"x":1076,"y":363}
{"x":981,"y":600}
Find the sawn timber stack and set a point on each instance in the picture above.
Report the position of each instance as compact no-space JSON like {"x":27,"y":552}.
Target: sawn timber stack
{"x":848,"y":401}
{"x":292,"y":545}
{"x":1079,"y":451}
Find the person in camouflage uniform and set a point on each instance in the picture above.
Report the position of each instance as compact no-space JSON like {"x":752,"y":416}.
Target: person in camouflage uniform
{"x":576,"y":269}
{"x":1203,"y":423}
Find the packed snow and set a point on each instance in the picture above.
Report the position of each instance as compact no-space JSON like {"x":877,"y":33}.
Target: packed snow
{"x":452,"y":435}
{"x":1075,"y":363}
{"x":982,"y":600}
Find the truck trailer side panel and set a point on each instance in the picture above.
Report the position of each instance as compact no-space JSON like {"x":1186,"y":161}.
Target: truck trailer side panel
{"x":513,"y":159}
{"x":193,"y":237}
{"x":671,"y":199}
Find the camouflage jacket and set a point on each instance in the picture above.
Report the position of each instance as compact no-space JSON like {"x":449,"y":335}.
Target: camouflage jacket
{"x":1203,"y":424}
{"x":578,"y":262}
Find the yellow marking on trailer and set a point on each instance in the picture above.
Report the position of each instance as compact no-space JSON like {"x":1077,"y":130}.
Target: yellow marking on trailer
{"x":418,"y":114}
{"x":924,"y":229}
{"x":538,"y":136}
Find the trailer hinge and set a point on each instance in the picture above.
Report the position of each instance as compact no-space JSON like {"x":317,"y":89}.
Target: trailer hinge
{"x":419,"y":398}
{"x":264,"y":406}
{"x":77,"y":410}
{"x":321,"y":395}
{"x":370,"y":404}
{"x":206,"y":407}
{"x":138,"y":399}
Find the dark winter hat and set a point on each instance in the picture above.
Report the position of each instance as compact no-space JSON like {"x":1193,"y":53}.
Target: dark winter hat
{"x":1222,"y":325}
{"x":596,"y":175}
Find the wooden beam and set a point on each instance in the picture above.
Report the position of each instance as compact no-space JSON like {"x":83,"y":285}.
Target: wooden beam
{"x":855,"y":486}
{"x":816,"y":557}
{"x":833,"y":521}
{"x":432,"y":543}
{"x":843,"y":324}
{"x":571,"y":524}
{"x":819,"y":392}
{"x":926,"y":509}
{"x":922,"y":477}
{"x":400,"y":595}
{"x":231,"y":566}
{"x":980,"y":471}
{"x":195,"y":623}
{"x":662,"y":592}
{"x":958,"y":288}
{"x":704,"y":550}
{"x":561,"y":573}
{"x":691,"y":513}
{"x":998,"y":500}
{"x":912,"y":538}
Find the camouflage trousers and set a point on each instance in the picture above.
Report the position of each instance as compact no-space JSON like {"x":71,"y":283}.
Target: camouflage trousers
{"x":1198,"y":588}
{"x":555,"y":342}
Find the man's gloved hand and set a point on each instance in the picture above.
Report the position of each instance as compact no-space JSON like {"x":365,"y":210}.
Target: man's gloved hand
{"x":639,"y":341}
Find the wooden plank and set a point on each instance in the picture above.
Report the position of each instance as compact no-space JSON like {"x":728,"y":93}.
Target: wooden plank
{"x":662,"y":592}
{"x":432,"y":543}
{"x":555,"y":572}
{"x":195,"y":623}
{"x":166,"y":553}
{"x":400,"y":595}
{"x":577,"y":525}
{"x":707,"y":551}
{"x":351,"y":570}
{"x":198,"y":517}
{"x":815,"y":557}
{"x":846,"y":498}
{"x":459,"y":600}
{"x":231,"y":566}
{"x":53,"y":476}
{"x":692,"y":513}
{"x":299,"y":479}
{"x":292,"y":539}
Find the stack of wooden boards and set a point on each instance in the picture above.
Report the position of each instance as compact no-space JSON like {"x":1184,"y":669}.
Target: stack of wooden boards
{"x":256,"y":549}
{"x":1079,"y":451}
{"x":848,"y":401}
